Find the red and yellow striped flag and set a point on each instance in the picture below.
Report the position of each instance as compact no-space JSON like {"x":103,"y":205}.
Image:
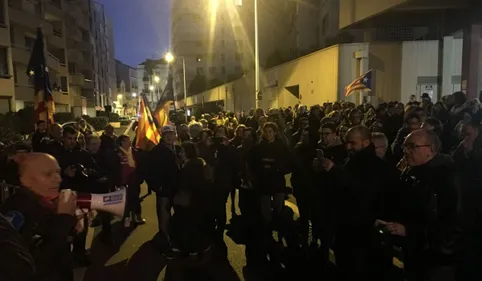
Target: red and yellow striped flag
{"x":147,"y":135}
{"x":161,"y":114}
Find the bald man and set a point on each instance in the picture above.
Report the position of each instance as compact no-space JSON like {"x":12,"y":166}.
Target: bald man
{"x":362,"y":186}
{"x":44,"y":218}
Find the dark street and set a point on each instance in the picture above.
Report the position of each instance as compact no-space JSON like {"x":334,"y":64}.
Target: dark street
{"x":131,"y":257}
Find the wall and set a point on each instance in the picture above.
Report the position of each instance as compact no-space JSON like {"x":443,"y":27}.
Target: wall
{"x":322,"y":76}
{"x":419,"y":66}
{"x":348,"y":68}
{"x":316,"y":75}
{"x":452,"y":65}
{"x":386,"y":60}
{"x":238,"y":95}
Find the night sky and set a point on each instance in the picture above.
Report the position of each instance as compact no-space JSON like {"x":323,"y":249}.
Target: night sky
{"x":141,"y":28}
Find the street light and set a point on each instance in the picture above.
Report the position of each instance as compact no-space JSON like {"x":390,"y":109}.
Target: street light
{"x":134,"y":95}
{"x":157,"y":80}
{"x":119,"y":96}
{"x":169,"y":57}
{"x":151,"y":88}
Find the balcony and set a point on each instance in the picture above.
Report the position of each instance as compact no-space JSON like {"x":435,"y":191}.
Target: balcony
{"x":57,"y":40}
{"x":61,"y":97}
{"x":24,"y":18}
{"x":79,"y":101}
{"x":74,"y":33}
{"x":75,"y":55}
{"x":84,"y":22}
{"x":88,"y":85}
{"x":53,"y":62}
{"x":87,"y":65}
{"x":21,"y":54}
{"x":76,"y":79}
{"x":53,"y":10}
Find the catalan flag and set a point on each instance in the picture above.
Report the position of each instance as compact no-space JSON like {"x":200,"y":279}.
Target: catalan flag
{"x":161,"y":114}
{"x":364,"y":82}
{"x":147,"y":135}
{"x":37,"y":71}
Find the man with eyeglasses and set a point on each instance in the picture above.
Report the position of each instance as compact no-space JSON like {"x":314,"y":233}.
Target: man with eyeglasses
{"x":429,"y":229}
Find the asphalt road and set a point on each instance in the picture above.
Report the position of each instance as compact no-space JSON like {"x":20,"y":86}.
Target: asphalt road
{"x":131,"y":256}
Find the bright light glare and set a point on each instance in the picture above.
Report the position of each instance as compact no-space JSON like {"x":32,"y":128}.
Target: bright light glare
{"x":169,"y":57}
{"x":119,"y":96}
{"x":134,"y":95}
{"x":157,"y":79}
{"x":151,"y":88}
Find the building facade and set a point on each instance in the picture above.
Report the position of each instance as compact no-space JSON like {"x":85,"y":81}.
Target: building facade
{"x":152,"y":77}
{"x":208,"y":35}
{"x":103,"y":59}
{"x":443,"y":20}
{"x":71,"y":53}
{"x":125,"y":103}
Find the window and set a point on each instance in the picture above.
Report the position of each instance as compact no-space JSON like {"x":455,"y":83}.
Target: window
{"x":72,"y":68}
{"x":2,"y":12}
{"x":3,"y":62}
{"x":223,"y":70}
{"x":29,"y":42}
{"x":223,"y":57}
{"x":63,"y":84}
{"x":222,"y":43}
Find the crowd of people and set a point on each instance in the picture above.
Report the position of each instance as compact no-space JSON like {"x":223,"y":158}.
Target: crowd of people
{"x":371,"y":184}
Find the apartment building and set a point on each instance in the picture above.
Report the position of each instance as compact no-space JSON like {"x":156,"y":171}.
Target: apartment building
{"x":103,"y":57}
{"x":127,"y":89}
{"x":152,"y":77}
{"x":210,"y":37}
{"x":70,"y":56}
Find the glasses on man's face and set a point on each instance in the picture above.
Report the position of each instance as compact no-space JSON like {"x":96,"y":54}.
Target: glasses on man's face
{"x":413,"y":146}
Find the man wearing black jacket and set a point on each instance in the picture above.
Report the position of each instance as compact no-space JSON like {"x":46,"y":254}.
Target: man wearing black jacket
{"x":361,"y":185}
{"x":162,"y":176}
{"x":44,"y":218}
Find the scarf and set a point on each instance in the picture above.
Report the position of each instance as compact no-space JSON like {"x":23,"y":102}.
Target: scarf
{"x":130,"y":158}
